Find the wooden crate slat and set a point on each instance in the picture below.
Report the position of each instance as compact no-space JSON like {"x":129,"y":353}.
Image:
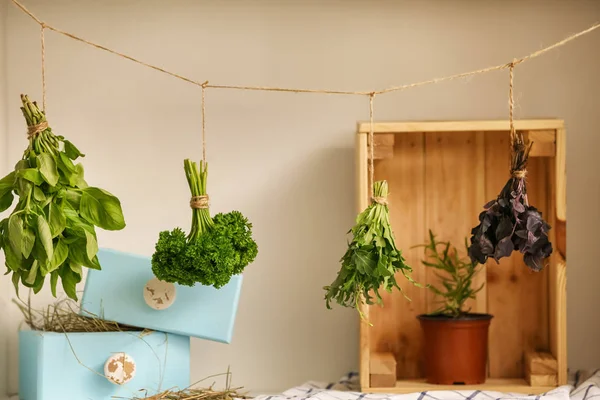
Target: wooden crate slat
{"x":397,"y":328}
{"x":453,"y":160}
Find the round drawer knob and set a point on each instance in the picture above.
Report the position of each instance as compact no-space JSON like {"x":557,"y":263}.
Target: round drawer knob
{"x":119,"y":368}
{"x":159,"y":295}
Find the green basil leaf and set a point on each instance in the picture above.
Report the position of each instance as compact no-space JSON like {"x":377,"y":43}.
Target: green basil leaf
{"x":56,"y":219}
{"x":101,"y":209}
{"x":38,"y":284}
{"x":38,"y":194}
{"x":65,"y":164}
{"x":79,"y":181}
{"x":91,"y":245}
{"x":24,"y":188}
{"x":28,"y":241}
{"x":69,"y":281}
{"x":72,"y":152}
{"x":33,"y":175}
{"x":74,"y":199}
{"x":7,"y":184}
{"x":15,"y":233}
{"x":53,"y":282}
{"x":15,"y":280}
{"x":32,"y":275}
{"x":12,"y":259}
{"x":21,"y":164}
{"x":6,"y":201}
{"x":77,"y":270}
{"x":45,"y":236}
{"x":61,"y":252}
{"x":47,"y":166}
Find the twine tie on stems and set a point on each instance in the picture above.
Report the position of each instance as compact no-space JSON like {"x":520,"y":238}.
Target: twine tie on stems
{"x":379,"y":200}
{"x":199,"y":202}
{"x":519,"y":174}
{"x":34,"y":130}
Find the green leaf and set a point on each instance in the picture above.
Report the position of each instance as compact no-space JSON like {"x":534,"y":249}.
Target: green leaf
{"x":101,"y":209}
{"x":6,"y":201}
{"x":47,"y":166}
{"x":45,"y":236}
{"x":39,"y":195}
{"x":53,"y":282}
{"x":12,"y":259}
{"x":69,"y":281}
{"x":91,"y":246}
{"x":28,"y":241}
{"x":15,"y":280}
{"x":32,"y":275}
{"x":61,"y":252}
{"x":72,"y":152}
{"x":6,"y":187}
{"x":15,"y":233}
{"x":74,"y":199}
{"x":56,"y":220}
{"x":33,"y":175}
{"x":79,"y":181}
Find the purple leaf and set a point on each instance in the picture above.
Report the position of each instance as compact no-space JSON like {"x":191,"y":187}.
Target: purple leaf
{"x":504,"y":248}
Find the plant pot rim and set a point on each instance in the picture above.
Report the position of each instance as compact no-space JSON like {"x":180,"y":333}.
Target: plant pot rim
{"x":464,"y":317}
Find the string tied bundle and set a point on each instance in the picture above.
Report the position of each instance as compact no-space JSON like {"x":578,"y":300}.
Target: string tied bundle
{"x":372,"y":258}
{"x":509,"y":223}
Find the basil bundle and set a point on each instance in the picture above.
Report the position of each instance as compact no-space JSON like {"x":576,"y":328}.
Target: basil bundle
{"x":509,"y":223}
{"x":372,"y":258}
{"x":51,"y":231}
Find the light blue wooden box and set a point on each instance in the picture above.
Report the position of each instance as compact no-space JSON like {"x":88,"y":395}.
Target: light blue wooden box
{"x":49,"y":370}
{"x":117,"y":294}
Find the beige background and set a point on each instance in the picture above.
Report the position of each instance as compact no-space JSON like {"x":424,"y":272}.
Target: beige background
{"x":286,"y":160}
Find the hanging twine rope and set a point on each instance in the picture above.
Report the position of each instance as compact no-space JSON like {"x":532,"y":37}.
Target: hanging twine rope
{"x":204,"y":121}
{"x":519,"y":150}
{"x":300,"y":90}
{"x":43,"y":43}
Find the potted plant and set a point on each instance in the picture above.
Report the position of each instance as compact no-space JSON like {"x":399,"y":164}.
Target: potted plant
{"x":456,"y":340}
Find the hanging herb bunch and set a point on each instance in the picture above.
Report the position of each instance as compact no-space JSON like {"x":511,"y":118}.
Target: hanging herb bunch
{"x":215,"y":249}
{"x":51,"y":231}
{"x":372,"y":259}
{"x":509,"y":223}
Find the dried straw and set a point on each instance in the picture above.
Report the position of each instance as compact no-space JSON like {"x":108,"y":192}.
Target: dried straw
{"x":63,"y":317}
{"x":209,"y":393}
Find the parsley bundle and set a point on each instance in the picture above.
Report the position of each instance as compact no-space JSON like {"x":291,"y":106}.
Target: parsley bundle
{"x":509,"y":223}
{"x":372,"y":259}
{"x":51,"y":231}
{"x":215,"y":249}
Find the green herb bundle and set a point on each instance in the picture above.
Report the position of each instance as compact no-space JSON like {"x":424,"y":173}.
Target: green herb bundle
{"x":372,"y":259}
{"x":215,"y":249}
{"x":455,"y":274}
{"x":51,"y":231}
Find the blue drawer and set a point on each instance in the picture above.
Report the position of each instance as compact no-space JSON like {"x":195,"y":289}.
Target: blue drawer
{"x":49,"y":369}
{"x":117,"y":294}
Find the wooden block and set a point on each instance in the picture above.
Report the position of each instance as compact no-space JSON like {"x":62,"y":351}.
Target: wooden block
{"x":382,"y":370}
{"x":544,"y":143}
{"x":541,"y":380}
{"x":540,"y":363}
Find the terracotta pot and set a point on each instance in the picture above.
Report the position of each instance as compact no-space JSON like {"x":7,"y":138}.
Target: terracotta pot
{"x":455,"y":348}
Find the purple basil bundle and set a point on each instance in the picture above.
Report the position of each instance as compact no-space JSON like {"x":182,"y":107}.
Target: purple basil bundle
{"x":509,"y":223}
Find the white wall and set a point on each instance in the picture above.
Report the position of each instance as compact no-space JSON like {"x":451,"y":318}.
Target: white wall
{"x":286,"y":160}
{"x":5,"y":289}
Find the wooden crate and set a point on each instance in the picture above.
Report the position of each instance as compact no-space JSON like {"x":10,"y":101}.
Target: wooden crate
{"x":440,"y":175}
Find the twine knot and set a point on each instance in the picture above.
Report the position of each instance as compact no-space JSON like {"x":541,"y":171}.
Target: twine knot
{"x":519,"y":174}
{"x":34,"y":130}
{"x":199,"y":202}
{"x":379,"y":200}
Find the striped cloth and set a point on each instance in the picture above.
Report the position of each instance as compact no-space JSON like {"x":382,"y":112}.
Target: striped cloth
{"x":584,"y":385}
